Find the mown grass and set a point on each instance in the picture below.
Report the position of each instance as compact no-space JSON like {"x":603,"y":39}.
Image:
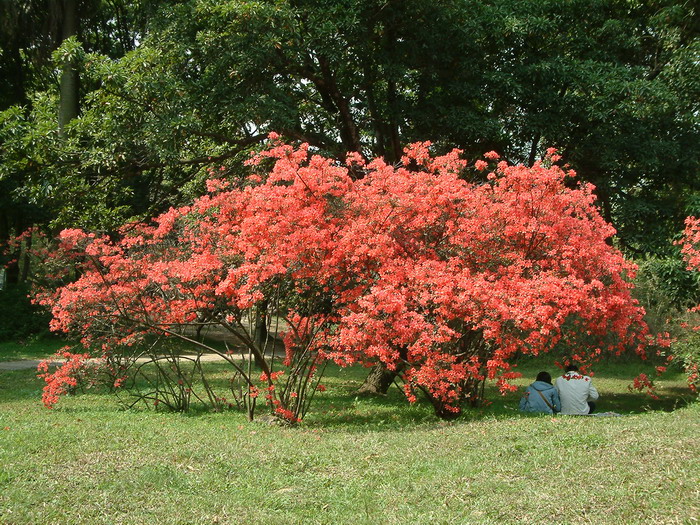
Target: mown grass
{"x":31,"y":349}
{"x":353,"y":460}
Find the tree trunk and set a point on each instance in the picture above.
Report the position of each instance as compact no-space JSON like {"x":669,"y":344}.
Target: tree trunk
{"x":26,"y":259}
{"x":396,"y":149}
{"x":11,"y":224}
{"x":68,"y":105}
{"x":442,"y":412}
{"x":379,"y":380}
{"x":533,"y":151}
{"x":260,"y":329}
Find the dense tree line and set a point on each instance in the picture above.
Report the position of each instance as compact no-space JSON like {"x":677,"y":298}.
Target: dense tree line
{"x":114,"y":110}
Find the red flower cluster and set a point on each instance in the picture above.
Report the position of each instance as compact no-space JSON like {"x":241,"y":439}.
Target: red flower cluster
{"x":693,"y":371}
{"x":690,"y":248}
{"x":412,"y":266}
{"x":644,"y":382}
{"x":64,"y":379}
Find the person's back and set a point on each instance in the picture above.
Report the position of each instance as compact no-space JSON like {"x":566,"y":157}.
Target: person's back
{"x":576,"y":392}
{"x":541,"y":396}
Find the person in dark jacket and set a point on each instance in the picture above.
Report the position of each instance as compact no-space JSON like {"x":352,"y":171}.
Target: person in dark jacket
{"x":541,"y":396}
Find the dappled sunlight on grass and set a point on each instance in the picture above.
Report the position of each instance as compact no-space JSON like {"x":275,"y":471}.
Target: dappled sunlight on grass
{"x":340,"y":407}
{"x":101,"y":463}
{"x":32,"y":349}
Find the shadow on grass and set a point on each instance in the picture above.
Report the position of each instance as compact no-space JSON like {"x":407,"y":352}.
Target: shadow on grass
{"x":20,"y":385}
{"x":34,"y":349}
{"x":635,"y":403}
{"x":341,"y":408}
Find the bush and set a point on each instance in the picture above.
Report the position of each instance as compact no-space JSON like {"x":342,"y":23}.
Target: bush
{"x":19,"y":318}
{"x":686,"y":351}
{"x":665,"y":286}
{"x":437,"y":278}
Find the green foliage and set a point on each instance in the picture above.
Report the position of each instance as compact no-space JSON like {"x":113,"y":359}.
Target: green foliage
{"x":39,"y":182}
{"x":604,"y":89}
{"x":20,"y":319}
{"x":664,"y":285}
{"x":668,"y":291}
{"x":686,"y":351}
{"x":613,"y":84}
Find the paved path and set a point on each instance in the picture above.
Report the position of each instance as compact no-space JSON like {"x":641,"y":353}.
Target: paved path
{"x":26,"y":364}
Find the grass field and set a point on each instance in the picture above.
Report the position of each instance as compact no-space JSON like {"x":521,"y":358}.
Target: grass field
{"x":38,"y":349}
{"x":353,"y":460}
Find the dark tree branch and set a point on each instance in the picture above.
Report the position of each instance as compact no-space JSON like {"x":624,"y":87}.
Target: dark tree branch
{"x":312,"y":139}
{"x":533,"y":150}
{"x":223,"y":138}
{"x":332,"y":99}
{"x":242,"y":143}
{"x":348,"y":129}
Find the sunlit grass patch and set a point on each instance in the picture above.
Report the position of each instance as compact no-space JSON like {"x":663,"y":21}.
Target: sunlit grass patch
{"x":352,"y":460}
{"x":31,"y":349}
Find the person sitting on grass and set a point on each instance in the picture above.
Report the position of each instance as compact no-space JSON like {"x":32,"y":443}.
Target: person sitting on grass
{"x":541,"y":396}
{"x":576,"y":392}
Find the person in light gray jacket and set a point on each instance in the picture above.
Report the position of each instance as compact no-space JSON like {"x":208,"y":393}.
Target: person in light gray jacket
{"x":576,"y":392}
{"x":541,"y":396}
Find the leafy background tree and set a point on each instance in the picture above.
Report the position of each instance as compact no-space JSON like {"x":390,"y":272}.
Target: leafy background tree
{"x":167,"y":89}
{"x":41,"y":95}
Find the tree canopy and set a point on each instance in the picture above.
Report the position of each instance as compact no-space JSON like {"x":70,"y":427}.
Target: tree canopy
{"x":167,"y":90}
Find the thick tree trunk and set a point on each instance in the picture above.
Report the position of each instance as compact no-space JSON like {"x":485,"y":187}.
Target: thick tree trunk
{"x":533,"y":150}
{"x":378,"y":380}
{"x":68,"y":105}
{"x":396,"y":149}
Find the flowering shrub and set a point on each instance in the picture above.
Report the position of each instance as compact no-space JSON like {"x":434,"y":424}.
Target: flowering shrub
{"x":410,"y":265}
{"x":644,"y":383}
{"x":690,"y":244}
{"x":76,"y":371}
{"x":689,"y":350}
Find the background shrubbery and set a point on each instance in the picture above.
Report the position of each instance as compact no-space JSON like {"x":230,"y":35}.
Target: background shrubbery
{"x":19,"y":319}
{"x":668,"y":291}
{"x":665,"y":288}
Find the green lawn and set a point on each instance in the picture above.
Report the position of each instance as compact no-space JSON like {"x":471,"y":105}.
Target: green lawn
{"x":353,"y":460}
{"x":38,"y":349}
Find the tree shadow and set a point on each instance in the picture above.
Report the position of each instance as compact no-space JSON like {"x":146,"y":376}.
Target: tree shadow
{"x":20,"y":385}
{"x":671,"y":399}
{"x":340,"y":408}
